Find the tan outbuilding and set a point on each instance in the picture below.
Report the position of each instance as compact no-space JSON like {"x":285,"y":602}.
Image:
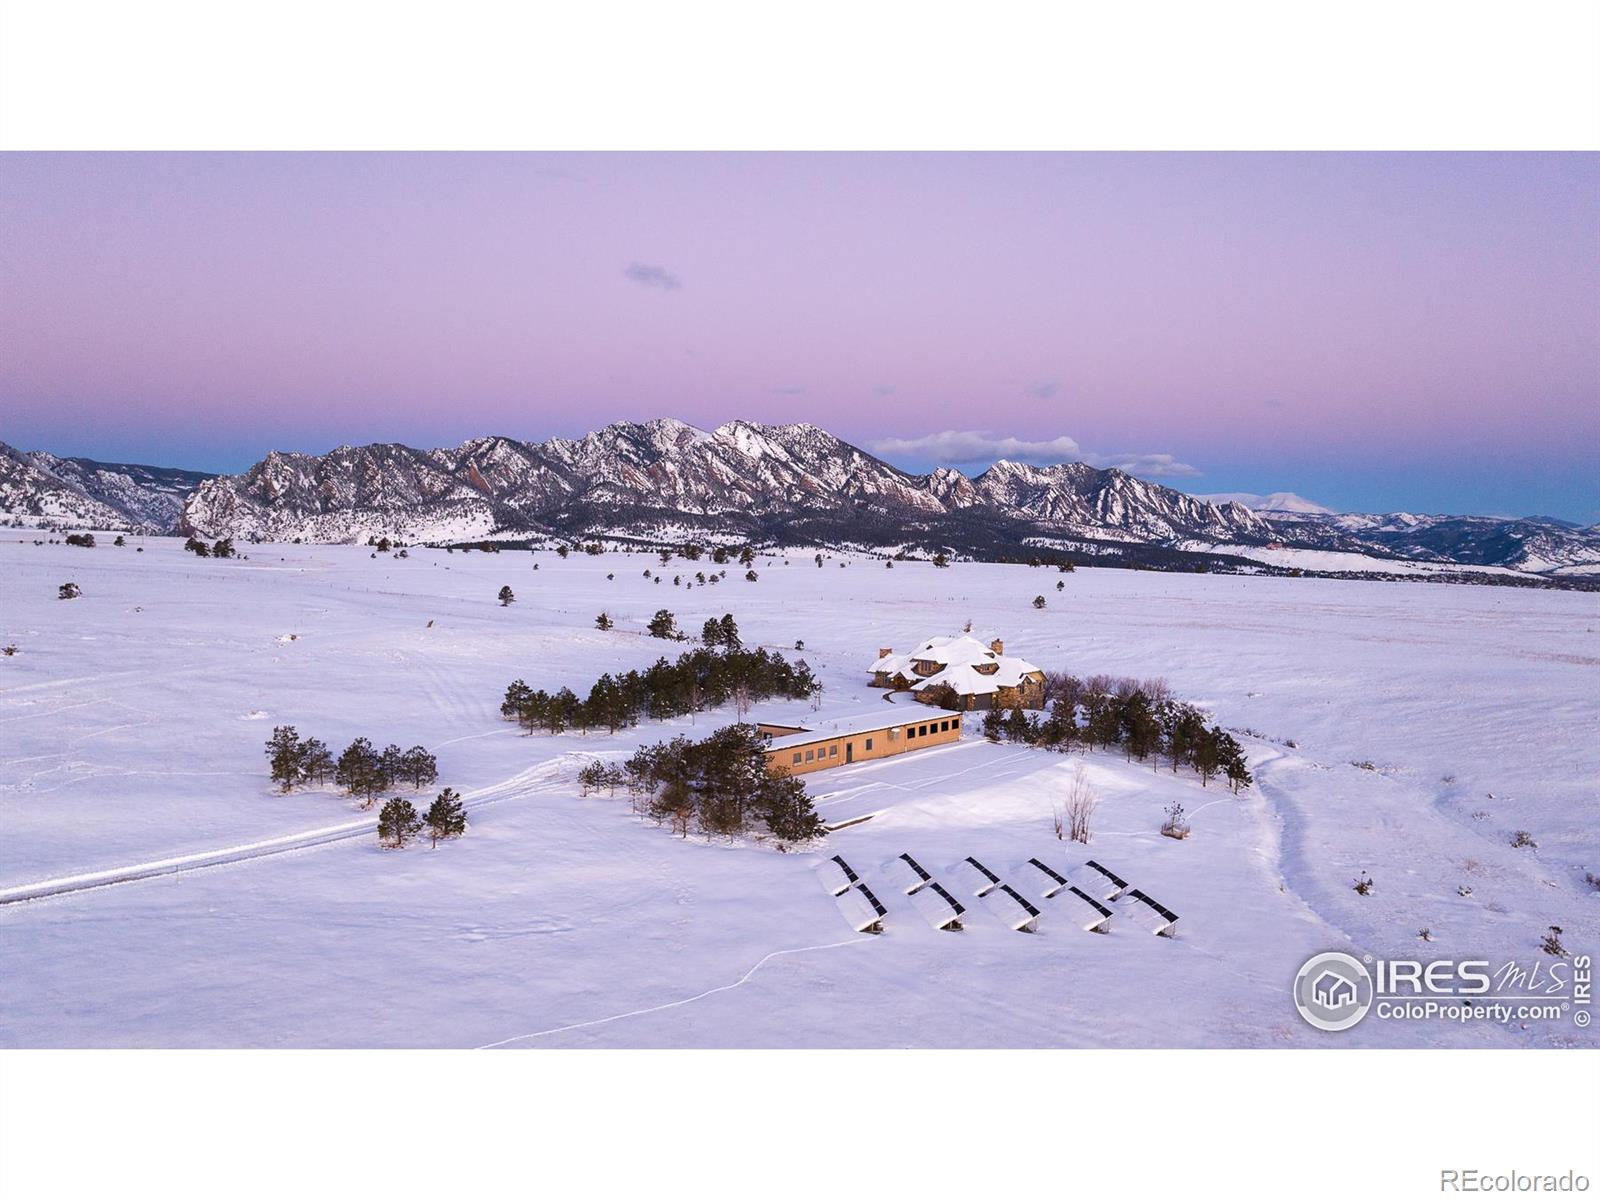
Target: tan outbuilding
{"x":857,"y":739}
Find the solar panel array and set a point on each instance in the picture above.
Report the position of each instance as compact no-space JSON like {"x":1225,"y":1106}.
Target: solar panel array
{"x":1083,"y":897}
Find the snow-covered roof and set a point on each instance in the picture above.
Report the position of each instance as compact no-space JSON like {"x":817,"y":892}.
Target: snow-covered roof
{"x":959,"y":658}
{"x":869,"y":722}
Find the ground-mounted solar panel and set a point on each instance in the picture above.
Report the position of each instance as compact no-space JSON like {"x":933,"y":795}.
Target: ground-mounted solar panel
{"x":1085,"y":910}
{"x":983,"y":880}
{"x":1106,"y":884}
{"x":911,"y":875}
{"x":1057,"y":880}
{"x":872,"y":900}
{"x":836,"y":877}
{"x":1148,"y":914}
{"x":845,"y":867}
{"x":861,"y":909}
{"x":939,"y":890}
{"x":937,"y":907}
{"x":1012,"y":909}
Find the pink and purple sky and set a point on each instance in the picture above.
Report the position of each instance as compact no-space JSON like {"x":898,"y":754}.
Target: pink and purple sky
{"x":1376,"y":332}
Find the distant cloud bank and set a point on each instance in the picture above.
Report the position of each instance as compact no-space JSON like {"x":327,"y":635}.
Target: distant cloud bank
{"x":968,"y":447}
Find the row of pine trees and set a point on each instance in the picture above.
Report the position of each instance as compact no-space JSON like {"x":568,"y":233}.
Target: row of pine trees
{"x":1099,"y":713}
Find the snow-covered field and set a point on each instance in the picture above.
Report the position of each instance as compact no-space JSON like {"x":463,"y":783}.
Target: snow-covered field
{"x":132,"y":721}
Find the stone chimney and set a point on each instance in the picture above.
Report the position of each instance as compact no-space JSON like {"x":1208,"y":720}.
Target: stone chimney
{"x":885,"y":651}
{"x":997,"y":646}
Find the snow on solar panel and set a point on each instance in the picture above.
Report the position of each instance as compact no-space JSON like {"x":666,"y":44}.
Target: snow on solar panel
{"x":1011,"y":909}
{"x":1146,"y":913}
{"x":981,"y":879}
{"x":872,"y":900}
{"x":937,"y":907}
{"x":1103,"y":883}
{"x":909,"y":874}
{"x":864,"y":916}
{"x":1083,"y":908}
{"x":835,"y":876}
{"x":1057,"y":881}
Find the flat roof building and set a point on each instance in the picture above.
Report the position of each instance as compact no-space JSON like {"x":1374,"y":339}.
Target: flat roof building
{"x":859,"y":738}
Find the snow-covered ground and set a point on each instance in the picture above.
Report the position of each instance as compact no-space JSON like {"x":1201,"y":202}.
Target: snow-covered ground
{"x":132,"y":721}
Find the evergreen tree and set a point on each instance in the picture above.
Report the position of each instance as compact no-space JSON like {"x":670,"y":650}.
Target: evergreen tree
{"x":563,"y":551}
{"x":446,"y":816}
{"x":1038,"y":601}
{"x":419,"y":768}
{"x":358,"y":770}
{"x":397,"y":823}
{"x":747,"y":557}
{"x":1206,"y":755}
{"x":198,"y":548}
{"x":222,"y":548}
{"x":68,"y":591}
{"x":506,"y":596}
{"x":663,"y":625}
{"x":285,"y":756}
{"x":941,"y":559}
{"x":730,"y":632}
{"x":316,"y":763}
{"x":719,"y":555}
{"x":711,"y":632}
{"x":604,"y":621}
{"x":994,"y":724}
{"x":1017,"y":728}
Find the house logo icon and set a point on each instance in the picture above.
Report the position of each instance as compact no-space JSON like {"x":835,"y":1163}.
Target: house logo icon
{"x":1333,"y":991}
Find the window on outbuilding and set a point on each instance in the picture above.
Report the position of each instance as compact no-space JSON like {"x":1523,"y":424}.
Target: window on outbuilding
{"x":797,"y":756}
{"x":810,"y":755}
{"x":869,"y":743}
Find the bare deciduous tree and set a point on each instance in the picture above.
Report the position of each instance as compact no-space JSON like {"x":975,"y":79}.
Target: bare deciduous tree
{"x":1081,"y":803}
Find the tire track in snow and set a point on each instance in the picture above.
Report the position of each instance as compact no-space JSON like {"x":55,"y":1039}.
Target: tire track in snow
{"x":640,"y":1012}
{"x":228,"y":856}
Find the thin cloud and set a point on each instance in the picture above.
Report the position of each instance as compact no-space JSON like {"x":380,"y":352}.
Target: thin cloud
{"x":788,"y":390}
{"x":968,"y":447}
{"x":1151,"y":466}
{"x":646,"y":275}
{"x":959,"y":447}
{"x":1043,"y":389}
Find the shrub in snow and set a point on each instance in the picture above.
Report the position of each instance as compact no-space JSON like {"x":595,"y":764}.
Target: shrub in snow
{"x":81,"y":539}
{"x":1523,"y":838}
{"x":68,"y":591}
{"x":1038,"y":601}
{"x":1363,"y":884}
{"x":1552,"y":942}
{"x":1175,"y":826}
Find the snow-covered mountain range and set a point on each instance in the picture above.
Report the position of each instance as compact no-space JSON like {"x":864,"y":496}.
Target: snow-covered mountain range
{"x":39,"y":488}
{"x":664,"y":480}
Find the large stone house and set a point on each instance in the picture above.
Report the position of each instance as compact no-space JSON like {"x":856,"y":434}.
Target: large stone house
{"x":962,"y":673}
